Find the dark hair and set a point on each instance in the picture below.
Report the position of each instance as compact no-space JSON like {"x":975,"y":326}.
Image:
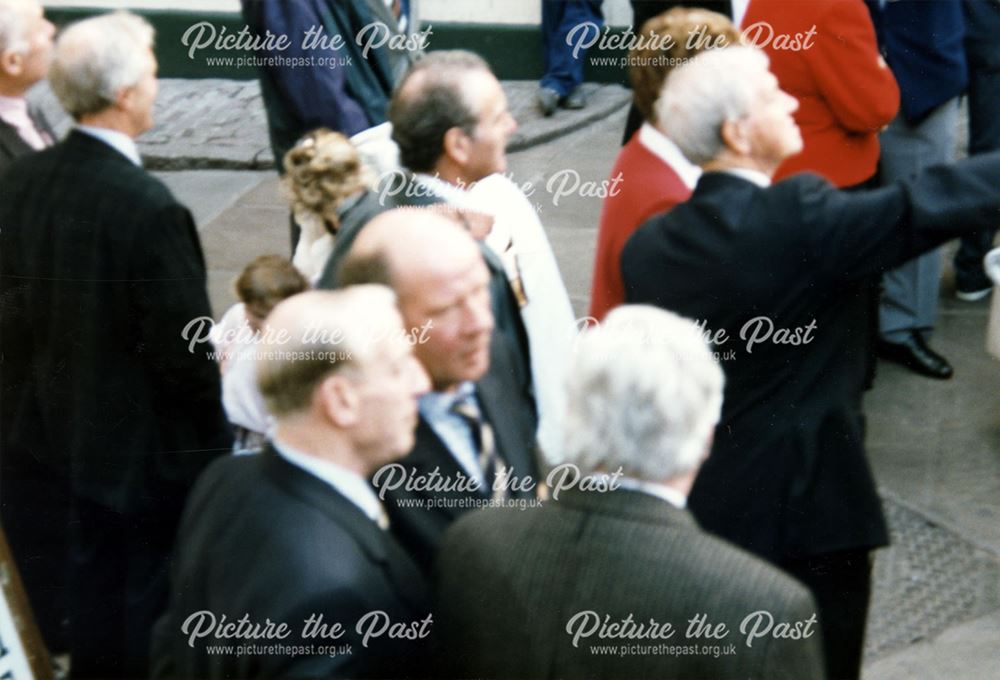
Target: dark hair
{"x":428,"y":102}
{"x":267,"y":281}
{"x":357,"y":270}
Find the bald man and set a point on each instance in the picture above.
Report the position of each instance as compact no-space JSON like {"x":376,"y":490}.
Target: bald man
{"x":297,"y":534}
{"x":475,"y":435}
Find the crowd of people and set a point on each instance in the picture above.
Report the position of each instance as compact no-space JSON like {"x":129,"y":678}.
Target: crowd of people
{"x":396,"y":455}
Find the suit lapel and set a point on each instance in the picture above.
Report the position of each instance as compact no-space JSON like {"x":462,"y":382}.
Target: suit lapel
{"x":42,"y":123}
{"x":494,"y":398}
{"x":376,"y":543}
{"x":11,"y":143}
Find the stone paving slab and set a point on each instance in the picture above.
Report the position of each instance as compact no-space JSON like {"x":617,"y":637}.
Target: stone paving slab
{"x":221,"y":124}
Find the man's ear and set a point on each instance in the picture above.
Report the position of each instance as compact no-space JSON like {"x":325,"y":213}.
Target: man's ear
{"x":11,"y":62}
{"x":338,"y":400}
{"x":457,"y":146}
{"x":734,"y":135}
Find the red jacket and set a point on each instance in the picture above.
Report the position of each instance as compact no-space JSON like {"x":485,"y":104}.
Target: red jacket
{"x":648,"y":186}
{"x":845,"y":90}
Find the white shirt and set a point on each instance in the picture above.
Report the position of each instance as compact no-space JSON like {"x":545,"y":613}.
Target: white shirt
{"x":548,"y":317}
{"x":664,"y":148}
{"x":755,"y":176}
{"x":661,"y":491}
{"x":351,"y":485}
{"x":119,"y":141}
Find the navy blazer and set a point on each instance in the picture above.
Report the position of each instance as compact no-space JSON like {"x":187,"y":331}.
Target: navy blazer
{"x":922,"y":40}
{"x":778,"y":270}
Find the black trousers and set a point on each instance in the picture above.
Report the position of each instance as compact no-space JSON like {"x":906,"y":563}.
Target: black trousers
{"x":841,"y":584}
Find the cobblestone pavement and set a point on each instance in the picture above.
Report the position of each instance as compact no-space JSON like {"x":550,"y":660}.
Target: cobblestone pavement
{"x":220,"y":124}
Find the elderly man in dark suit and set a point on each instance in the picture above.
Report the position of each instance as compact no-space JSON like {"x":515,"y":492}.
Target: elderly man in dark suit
{"x":539,"y":593}
{"x":296,"y":536}
{"x":475,"y":429}
{"x":25,"y":53}
{"x":106,"y":272}
{"x":767,"y":271}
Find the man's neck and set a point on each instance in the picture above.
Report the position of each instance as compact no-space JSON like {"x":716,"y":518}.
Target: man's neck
{"x":323,"y":443}
{"x":13,"y":90}
{"x":727,"y":161}
{"x":109,"y":120}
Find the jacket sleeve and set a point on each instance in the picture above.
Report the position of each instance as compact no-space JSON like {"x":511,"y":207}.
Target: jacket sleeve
{"x":316,"y":94}
{"x":851,"y":75}
{"x":854,"y":234}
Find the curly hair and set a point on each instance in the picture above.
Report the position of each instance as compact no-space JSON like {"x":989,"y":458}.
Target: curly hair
{"x":648,"y":71}
{"x":322,"y":170}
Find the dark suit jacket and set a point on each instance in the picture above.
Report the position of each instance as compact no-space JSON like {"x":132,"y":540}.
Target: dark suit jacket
{"x":510,"y":581}
{"x":11,"y":144}
{"x":788,"y":475}
{"x":264,"y":538}
{"x":922,"y":40}
{"x":420,"y":528}
{"x":103,"y":271}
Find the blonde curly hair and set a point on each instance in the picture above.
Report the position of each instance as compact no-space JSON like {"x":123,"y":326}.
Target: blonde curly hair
{"x":322,"y":170}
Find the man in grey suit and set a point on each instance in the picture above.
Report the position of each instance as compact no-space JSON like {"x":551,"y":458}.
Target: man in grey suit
{"x":619,"y":580}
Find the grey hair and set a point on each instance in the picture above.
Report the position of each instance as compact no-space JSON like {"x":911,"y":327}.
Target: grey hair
{"x":700,"y":96}
{"x":644,"y":394}
{"x":12,"y":37}
{"x":95,"y":59}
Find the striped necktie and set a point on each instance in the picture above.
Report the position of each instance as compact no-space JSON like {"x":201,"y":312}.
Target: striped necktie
{"x":494,"y":471}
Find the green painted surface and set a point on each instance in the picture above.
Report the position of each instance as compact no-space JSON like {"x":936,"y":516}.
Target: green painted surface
{"x":514,"y":51}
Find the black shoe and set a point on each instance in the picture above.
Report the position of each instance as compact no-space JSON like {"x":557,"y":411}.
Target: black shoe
{"x":915,"y":355}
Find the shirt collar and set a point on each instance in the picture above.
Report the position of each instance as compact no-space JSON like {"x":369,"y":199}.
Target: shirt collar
{"x":664,"y":148}
{"x":661,"y":491}
{"x":119,"y":141}
{"x":739,"y":11}
{"x":755,"y":176}
{"x":350,"y":484}
{"x":434,"y":405}
{"x":17,"y":106}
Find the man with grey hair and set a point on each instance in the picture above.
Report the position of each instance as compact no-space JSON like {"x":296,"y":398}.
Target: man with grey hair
{"x":296,"y":536}
{"x":113,"y":401}
{"x":768,"y":272}
{"x":619,"y":547}
{"x":25,"y":53}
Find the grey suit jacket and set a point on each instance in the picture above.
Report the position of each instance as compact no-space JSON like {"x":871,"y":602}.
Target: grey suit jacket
{"x":510,"y":583}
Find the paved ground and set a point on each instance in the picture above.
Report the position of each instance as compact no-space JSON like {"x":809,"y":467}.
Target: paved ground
{"x":212,"y":123}
{"x":934,"y":446}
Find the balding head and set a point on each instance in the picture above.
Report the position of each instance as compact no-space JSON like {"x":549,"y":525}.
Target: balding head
{"x":335,"y":366}
{"x":441,"y":282}
{"x":449,"y":116}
